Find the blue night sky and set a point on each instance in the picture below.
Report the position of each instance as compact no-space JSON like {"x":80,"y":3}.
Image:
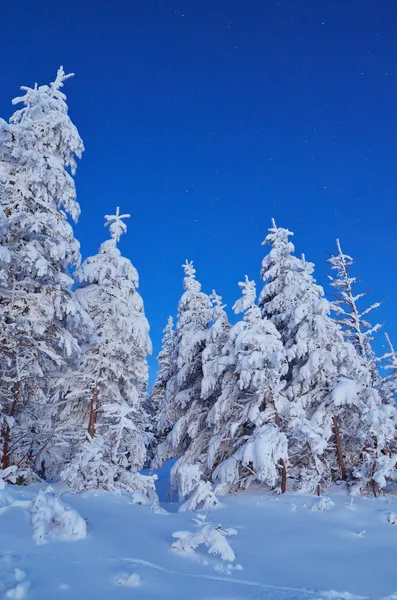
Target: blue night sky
{"x":205,"y":119}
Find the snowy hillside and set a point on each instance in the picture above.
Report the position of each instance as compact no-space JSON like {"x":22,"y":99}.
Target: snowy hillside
{"x":287,"y":549}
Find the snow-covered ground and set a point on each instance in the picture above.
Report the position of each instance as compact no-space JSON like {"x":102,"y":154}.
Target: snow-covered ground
{"x":287,"y":550}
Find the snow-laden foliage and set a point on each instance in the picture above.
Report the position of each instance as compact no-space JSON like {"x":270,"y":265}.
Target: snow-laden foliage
{"x":203,"y":496}
{"x":354,"y":321}
{"x":212,"y":354}
{"x":334,"y":410}
{"x":247,"y":444}
{"x":182,"y":412}
{"x":190,"y":473}
{"x":156,"y":399}
{"x":52,"y":520}
{"x":108,"y":394}
{"x":389,"y":383}
{"x":91,"y":469}
{"x":40,"y":318}
{"x":214,"y":537}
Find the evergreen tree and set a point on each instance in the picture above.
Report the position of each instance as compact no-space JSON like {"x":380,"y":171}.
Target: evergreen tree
{"x":333,"y":404}
{"x":353,"y":321}
{"x":212,"y":354}
{"x":389,"y":382}
{"x":157,"y":395}
{"x":190,"y":474}
{"x":182,"y":410}
{"x":111,"y":389}
{"x":40,"y":316}
{"x":247,"y":444}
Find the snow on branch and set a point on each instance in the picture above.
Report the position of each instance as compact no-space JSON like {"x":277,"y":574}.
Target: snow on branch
{"x":214,"y":537}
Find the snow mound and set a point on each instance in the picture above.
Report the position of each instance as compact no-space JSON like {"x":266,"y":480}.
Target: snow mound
{"x":128,"y":579}
{"x":392,"y":518}
{"x":334,"y":595}
{"x":15,"y":584}
{"x":7,"y":501}
{"x":323,"y":504}
{"x":51,"y":520}
{"x":207,"y":534}
{"x":19,"y":591}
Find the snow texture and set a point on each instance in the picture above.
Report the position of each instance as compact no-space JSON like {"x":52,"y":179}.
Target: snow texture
{"x":287,"y":553}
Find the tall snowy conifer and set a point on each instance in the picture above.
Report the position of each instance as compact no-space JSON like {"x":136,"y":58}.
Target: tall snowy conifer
{"x":247,"y":444}
{"x":157,"y":395}
{"x":353,"y":321}
{"x":190,"y":475}
{"x":182,"y":410}
{"x":212,"y":354}
{"x":155,"y":401}
{"x":111,"y":389}
{"x":40,"y":315}
{"x":334,"y":410}
{"x":389,"y":382}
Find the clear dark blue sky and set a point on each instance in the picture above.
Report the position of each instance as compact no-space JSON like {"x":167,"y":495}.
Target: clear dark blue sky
{"x":204,"y":119}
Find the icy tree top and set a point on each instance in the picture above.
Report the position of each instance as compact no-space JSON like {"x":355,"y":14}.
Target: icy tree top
{"x":116,"y":225}
{"x":246,"y":303}
{"x":48,"y":142}
{"x":281,"y":235}
{"x":190,"y":282}
{"x":217,"y":300}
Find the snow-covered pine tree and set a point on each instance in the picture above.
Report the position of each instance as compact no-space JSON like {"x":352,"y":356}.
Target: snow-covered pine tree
{"x":182,"y":411}
{"x":212,"y":355}
{"x":157,"y":395}
{"x":246,"y":443}
{"x":110,"y":392}
{"x":334,"y":411}
{"x":353,"y":320}
{"x":389,"y":382}
{"x":190,"y":474}
{"x":40,"y":314}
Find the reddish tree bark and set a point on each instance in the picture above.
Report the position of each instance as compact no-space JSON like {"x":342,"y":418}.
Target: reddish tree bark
{"x":6,"y":429}
{"x":93,"y":412}
{"x":339,"y":450}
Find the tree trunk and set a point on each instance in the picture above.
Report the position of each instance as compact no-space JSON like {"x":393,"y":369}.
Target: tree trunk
{"x":93,"y":412}
{"x":373,"y":487}
{"x":283,"y":476}
{"x":339,"y":450}
{"x":318,"y":490}
{"x":6,"y":429}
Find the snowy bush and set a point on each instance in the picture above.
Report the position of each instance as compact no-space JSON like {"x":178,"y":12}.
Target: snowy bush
{"x":88,"y":470}
{"x":207,"y":534}
{"x":202,"y":498}
{"x":51,"y":520}
{"x":323,"y":504}
{"x":18,"y":476}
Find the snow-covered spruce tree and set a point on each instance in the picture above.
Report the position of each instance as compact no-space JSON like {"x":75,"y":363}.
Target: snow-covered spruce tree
{"x":389,"y":382}
{"x":110,"y":392}
{"x":157,"y":395}
{"x":190,"y":474}
{"x":40,"y":315}
{"x":247,"y":444}
{"x":181,"y":414}
{"x":353,"y":320}
{"x":216,"y":338}
{"x":335,"y":413}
